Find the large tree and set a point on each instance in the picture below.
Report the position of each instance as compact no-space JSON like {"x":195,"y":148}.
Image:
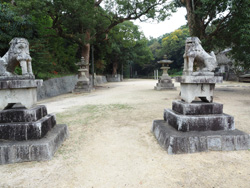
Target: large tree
{"x":126,"y":44}
{"x":12,"y":24}
{"x":221,"y":24}
{"x":82,"y":21}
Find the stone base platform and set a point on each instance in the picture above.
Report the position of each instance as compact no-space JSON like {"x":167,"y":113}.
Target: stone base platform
{"x":207,"y":122}
{"x":83,"y":87}
{"x":178,"y":142}
{"x":14,"y":91}
{"x":164,"y":84}
{"x":159,"y":88}
{"x":33,"y":150}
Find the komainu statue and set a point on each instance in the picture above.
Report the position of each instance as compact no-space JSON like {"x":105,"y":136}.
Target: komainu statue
{"x":195,"y":57}
{"x":17,"y":54}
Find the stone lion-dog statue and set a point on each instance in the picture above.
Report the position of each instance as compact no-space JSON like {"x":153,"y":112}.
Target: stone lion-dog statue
{"x":18,"y":53}
{"x":196,"y":56}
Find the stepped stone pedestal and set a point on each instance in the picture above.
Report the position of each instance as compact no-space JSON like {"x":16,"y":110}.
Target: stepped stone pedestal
{"x":197,"y":126}
{"x":27,"y":131}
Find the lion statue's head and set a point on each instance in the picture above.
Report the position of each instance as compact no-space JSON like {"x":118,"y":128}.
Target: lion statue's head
{"x":19,"y":49}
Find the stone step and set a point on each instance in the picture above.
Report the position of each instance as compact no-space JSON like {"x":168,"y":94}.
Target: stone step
{"x":177,"y":142}
{"x":185,"y":123}
{"x":22,"y":114}
{"x":165,"y":85}
{"x":35,"y":150}
{"x":197,"y":108}
{"x":27,"y":130}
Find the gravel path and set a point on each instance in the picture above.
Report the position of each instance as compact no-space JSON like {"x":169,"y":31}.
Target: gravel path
{"x":111,"y":144}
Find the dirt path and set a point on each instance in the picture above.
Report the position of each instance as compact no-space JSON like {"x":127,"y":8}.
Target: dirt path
{"x":111,"y":144}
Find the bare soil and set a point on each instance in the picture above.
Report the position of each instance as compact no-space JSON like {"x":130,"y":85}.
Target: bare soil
{"x":111,"y":144}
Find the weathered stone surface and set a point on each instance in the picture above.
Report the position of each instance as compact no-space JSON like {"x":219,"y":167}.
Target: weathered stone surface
{"x":83,"y":87}
{"x":177,"y":142}
{"x":164,"y":86}
{"x":18,"y":91}
{"x":196,"y":55}
{"x":200,"y":79}
{"x":19,"y":84}
{"x":197,"y":108}
{"x":187,"y":123}
{"x":170,"y":85}
{"x":56,"y":86}
{"x":190,"y":91}
{"x":33,"y":150}
{"x":17,"y":54}
{"x":17,"y":77}
{"x":27,"y":130}
{"x":22,"y":114}
{"x":25,"y":96}
{"x":114,"y":78}
{"x":214,"y":143}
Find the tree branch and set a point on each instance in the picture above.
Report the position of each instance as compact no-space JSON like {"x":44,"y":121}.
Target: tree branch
{"x":219,"y":27}
{"x":97,"y":3}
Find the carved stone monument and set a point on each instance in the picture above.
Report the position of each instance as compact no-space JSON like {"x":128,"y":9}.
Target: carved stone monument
{"x":83,"y":84}
{"x":165,"y":82}
{"x":192,"y":125}
{"x":27,"y":132}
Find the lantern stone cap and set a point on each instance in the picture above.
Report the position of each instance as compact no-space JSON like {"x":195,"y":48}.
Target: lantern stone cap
{"x":82,"y":62}
{"x":165,"y":60}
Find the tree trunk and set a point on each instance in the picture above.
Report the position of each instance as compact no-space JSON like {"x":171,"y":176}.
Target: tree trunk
{"x":195,"y":24}
{"x":86,"y":51}
{"x":115,"y":67}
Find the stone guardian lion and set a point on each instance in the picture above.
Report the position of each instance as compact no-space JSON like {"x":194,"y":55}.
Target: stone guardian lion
{"x":196,"y":57}
{"x":18,"y":53}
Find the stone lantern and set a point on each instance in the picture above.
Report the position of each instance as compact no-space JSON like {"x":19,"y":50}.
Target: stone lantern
{"x":165,"y":82}
{"x":82,"y":70}
{"x":83,"y":84}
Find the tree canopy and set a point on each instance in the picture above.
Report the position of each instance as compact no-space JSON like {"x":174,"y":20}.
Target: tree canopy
{"x":61,"y":31}
{"x":221,"y":24}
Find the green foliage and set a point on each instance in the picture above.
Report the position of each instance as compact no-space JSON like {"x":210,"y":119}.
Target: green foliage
{"x":221,"y":24}
{"x":125,"y":45}
{"x":58,"y":31}
{"x":175,"y":72}
{"x":172,"y":45}
{"x":239,"y":28}
{"x":145,"y":9}
{"x":12,"y":25}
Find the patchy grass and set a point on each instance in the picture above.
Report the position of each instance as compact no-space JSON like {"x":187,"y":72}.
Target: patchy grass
{"x":80,"y":120}
{"x":85,"y":114}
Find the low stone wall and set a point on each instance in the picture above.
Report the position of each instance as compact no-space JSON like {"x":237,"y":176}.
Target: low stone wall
{"x":58,"y":86}
{"x":98,"y":79}
{"x":114,"y":78}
